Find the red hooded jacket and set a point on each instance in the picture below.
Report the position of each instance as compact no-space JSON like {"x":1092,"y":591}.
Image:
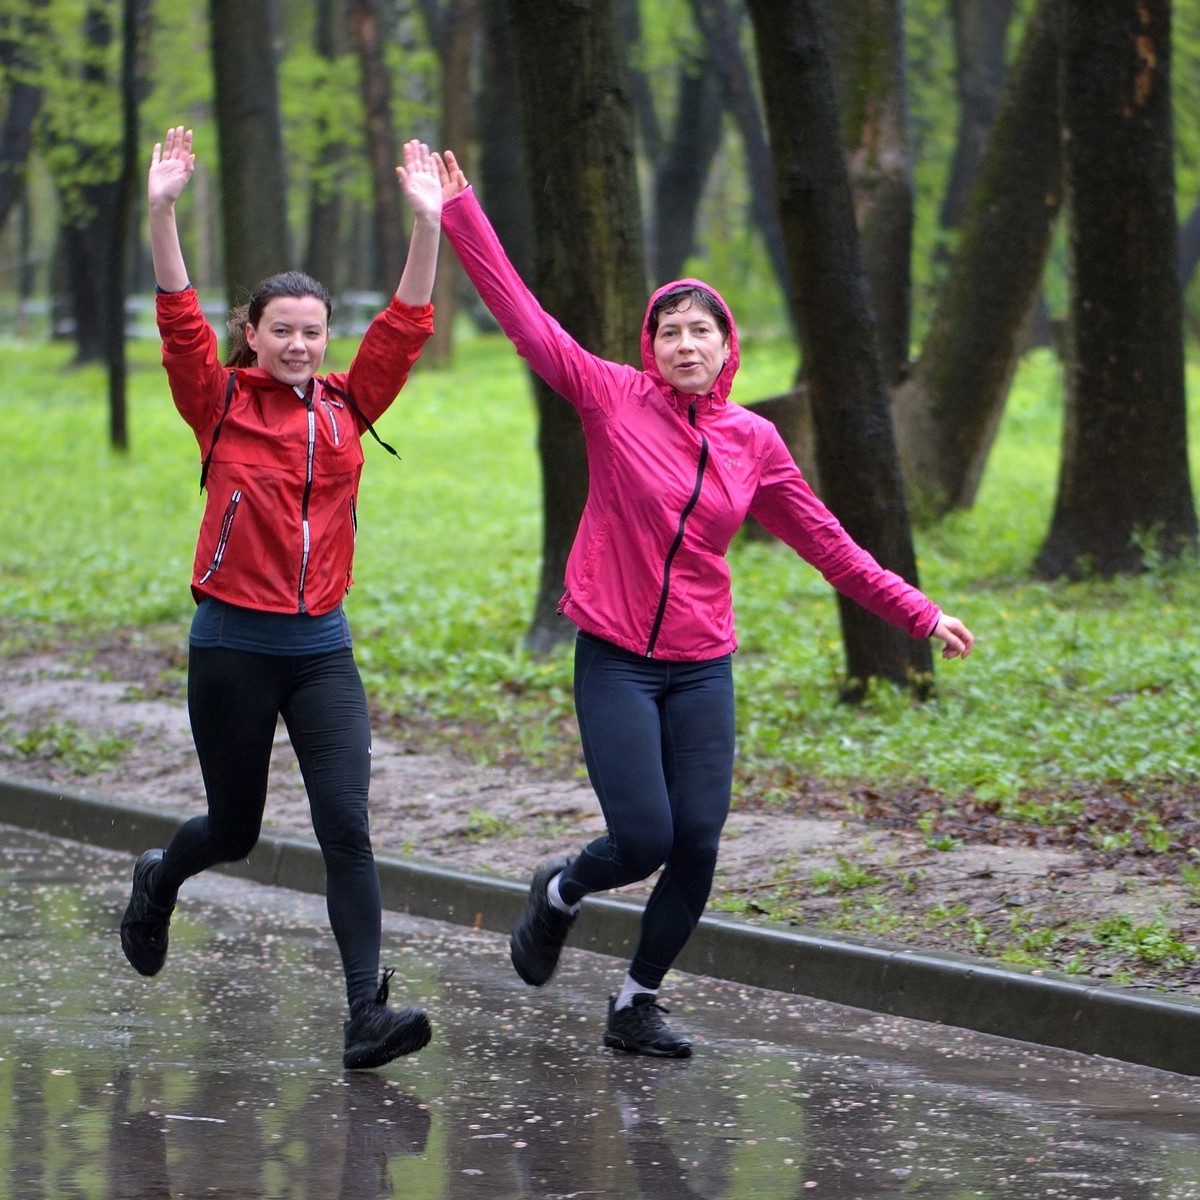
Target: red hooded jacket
{"x":280,"y":515}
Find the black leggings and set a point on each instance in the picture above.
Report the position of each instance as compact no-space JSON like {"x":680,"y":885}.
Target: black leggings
{"x":234,"y":700}
{"x":658,"y":740}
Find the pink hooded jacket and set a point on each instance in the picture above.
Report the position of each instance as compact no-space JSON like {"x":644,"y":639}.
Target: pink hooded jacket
{"x":671,"y":479}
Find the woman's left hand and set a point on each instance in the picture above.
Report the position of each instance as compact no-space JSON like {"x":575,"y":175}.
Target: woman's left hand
{"x":957,"y":639}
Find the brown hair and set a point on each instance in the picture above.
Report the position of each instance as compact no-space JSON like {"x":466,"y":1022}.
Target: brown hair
{"x":683,"y":296}
{"x":289,"y":283}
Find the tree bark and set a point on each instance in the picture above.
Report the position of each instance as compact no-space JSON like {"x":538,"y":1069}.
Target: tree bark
{"x":367,"y":34}
{"x":948,"y":411}
{"x":90,"y":196}
{"x":577,"y":129}
{"x":860,"y":472}
{"x":323,"y":256}
{"x":719,"y":22}
{"x":250,"y":140}
{"x":20,"y":73}
{"x":683,"y":169}
{"x":501,"y":155}
{"x":135,"y":14}
{"x":455,"y":39}
{"x":1124,"y":493}
{"x":867,"y":50}
{"x":979,"y":68}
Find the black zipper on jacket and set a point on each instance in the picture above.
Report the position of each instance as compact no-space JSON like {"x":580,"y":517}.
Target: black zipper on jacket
{"x":308,"y":481}
{"x":683,"y":516}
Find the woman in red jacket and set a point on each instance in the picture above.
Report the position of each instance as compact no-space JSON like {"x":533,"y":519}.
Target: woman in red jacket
{"x":282,"y":456}
{"x":674,"y":468}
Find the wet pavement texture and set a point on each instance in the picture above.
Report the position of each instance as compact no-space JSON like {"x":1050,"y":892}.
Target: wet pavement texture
{"x":222,"y":1077}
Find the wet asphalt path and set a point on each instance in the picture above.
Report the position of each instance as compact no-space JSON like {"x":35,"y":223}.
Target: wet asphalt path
{"x":222,"y":1077}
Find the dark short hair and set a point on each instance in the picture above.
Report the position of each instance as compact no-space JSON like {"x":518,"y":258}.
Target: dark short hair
{"x":684,"y":296}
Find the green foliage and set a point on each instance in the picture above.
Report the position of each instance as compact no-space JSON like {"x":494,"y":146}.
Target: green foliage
{"x":1095,"y":681}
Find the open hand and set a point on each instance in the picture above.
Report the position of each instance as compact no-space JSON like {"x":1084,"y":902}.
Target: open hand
{"x":420,"y":181}
{"x":453,"y":180}
{"x":171,"y":166}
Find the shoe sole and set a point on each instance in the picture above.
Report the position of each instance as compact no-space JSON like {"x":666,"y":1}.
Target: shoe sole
{"x":408,"y":1040}
{"x":684,"y":1050}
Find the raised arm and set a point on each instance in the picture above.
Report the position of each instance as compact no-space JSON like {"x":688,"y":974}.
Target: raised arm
{"x":583,"y":378}
{"x":171,"y":166}
{"x":422,"y":187}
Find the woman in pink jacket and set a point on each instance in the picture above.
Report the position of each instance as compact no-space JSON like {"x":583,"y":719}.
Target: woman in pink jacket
{"x":282,"y":455}
{"x":674,"y":468}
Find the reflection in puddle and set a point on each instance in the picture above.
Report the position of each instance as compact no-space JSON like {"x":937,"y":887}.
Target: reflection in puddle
{"x":222,"y":1077}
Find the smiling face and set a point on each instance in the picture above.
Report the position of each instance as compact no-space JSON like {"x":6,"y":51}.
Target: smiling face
{"x":290,"y":338}
{"x":689,"y":348}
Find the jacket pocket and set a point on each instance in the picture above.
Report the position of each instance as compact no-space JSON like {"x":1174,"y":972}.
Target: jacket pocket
{"x":223,"y":537}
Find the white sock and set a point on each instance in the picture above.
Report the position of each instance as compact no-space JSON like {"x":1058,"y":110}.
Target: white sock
{"x":555,"y":898}
{"x":629,"y":989}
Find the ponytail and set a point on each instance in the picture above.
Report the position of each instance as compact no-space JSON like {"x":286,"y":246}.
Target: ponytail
{"x":239,"y":354}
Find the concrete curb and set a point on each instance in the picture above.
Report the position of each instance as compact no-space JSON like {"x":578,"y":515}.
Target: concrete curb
{"x":1152,"y":1029}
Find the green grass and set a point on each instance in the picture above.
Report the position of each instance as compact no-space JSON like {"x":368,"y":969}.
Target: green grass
{"x":1073,"y":682}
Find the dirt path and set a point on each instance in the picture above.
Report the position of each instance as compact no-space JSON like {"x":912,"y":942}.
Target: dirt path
{"x":116,"y":725}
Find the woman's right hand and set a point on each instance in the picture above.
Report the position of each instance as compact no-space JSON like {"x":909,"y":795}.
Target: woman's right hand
{"x":171,"y":166}
{"x":453,"y":180}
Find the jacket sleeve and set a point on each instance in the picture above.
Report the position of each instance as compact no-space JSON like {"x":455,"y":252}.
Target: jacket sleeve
{"x":787,"y":507}
{"x":190,"y":355}
{"x":576,"y":374}
{"x":391,"y":345}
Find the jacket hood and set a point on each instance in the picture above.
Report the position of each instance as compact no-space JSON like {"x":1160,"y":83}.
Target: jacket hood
{"x":724,"y":382}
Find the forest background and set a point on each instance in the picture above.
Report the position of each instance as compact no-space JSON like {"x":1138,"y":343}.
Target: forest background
{"x":1073,"y":726}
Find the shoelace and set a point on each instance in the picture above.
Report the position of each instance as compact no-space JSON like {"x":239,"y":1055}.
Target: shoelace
{"x":382,"y":995}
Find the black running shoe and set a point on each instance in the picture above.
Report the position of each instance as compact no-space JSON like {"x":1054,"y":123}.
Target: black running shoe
{"x":639,"y":1029}
{"x":537,"y":938}
{"x":144,"y":925}
{"x":375,"y":1034}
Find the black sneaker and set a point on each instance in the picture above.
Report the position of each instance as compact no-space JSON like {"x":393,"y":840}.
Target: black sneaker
{"x":537,"y":938}
{"x":639,"y":1029}
{"x":144,"y":925}
{"x":375,"y":1034}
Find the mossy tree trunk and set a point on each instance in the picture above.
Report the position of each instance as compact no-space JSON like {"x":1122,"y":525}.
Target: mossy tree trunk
{"x":1124,"y":492}
{"x":856,"y":453}
{"x":578,"y":136}
{"x":948,"y":410}
{"x":867,"y":48}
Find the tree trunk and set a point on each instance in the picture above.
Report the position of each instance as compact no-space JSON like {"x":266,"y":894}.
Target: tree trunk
{"x":1124,"y":492}
{"x":948,"y":411}
{"x":577,"y":127}
{"x":367,"y":34}
{"x":979,"y":31}
{"x":501,"y":155}
{"x":134,"y":19}
{"x":867,"y":50}
{"x":455,"y":38}
{"x":683,"y":169}
{"x":250,"y":141}
{"x":860,"y":472}
{"x":90,"y":197}
{"x":719,"y":22}
{"x":19,"y":60}
{"x":323,"y":257}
